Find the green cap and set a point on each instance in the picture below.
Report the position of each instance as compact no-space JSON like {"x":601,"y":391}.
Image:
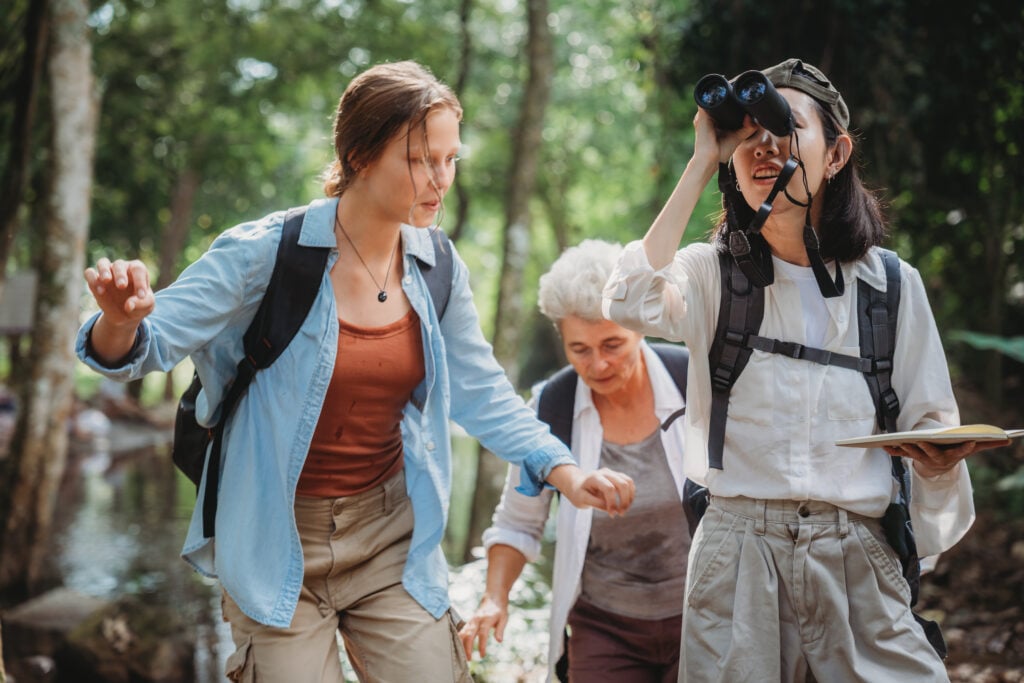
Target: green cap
{"x":806,"y":78}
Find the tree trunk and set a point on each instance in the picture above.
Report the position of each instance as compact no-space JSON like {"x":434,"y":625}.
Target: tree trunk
{"x":39,"y":448}
{"x":172,"y":242}
{"x":12,"y":184}
{"x":465,"y":59}
{"x":509,"y":310}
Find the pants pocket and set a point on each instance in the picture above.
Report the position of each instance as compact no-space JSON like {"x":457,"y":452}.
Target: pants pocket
{"x":240,"y":667}
{"x":884,"y":559}
{"x":460,"y":667}
{"x":714,"y":550}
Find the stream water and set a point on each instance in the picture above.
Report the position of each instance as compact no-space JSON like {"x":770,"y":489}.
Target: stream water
{"x":122,"y":515}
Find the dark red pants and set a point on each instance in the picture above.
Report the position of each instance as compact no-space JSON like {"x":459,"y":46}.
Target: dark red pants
{"x":606,"y":647}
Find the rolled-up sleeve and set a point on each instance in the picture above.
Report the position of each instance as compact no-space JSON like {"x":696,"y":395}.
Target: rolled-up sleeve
{"x":519,"y":519}
{"x":131,"y":368}
{"x":659,"y":302}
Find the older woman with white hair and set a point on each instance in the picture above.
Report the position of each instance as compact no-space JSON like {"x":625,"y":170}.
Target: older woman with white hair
{"x":618,"y":582}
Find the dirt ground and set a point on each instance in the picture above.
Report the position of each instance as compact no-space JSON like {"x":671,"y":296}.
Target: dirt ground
{"x":977,"y":594}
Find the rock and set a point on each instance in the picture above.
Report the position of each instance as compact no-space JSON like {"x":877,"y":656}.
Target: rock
{"x":41,"y":625}
{"x":133,"y":641}
{"x":65,"y":636}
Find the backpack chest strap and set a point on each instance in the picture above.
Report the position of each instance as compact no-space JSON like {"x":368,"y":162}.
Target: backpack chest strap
{"x":809,"y":353}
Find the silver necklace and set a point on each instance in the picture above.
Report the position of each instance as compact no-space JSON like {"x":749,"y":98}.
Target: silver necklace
{"x":382,"y":292}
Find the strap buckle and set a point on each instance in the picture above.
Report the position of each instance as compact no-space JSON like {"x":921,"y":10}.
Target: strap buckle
{"x":723,"y":377}
{"x":880,"y":365}
{"x":736,"y":338}
{"x":890,"y":401}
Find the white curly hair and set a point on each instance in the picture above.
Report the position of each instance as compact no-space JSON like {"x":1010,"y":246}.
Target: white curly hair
{"x":573,"y":284}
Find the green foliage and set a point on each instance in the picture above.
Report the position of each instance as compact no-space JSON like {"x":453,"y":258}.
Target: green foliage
{"x":1001,"y":490}
{"x":1012,"y":347}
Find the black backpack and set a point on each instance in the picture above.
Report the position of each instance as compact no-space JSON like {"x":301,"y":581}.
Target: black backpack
{"x":736,"y":336}
{"x":294,"y":284}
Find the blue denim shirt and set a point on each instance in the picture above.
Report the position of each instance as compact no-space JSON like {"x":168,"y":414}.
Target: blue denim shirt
{"x":256,"y":553}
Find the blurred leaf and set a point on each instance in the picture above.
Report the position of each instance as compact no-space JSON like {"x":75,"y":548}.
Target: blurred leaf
{"x":1013,"y":482}
{"x":1010,"y":346}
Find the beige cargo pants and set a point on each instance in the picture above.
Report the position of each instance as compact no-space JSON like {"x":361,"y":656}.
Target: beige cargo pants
{"x":354,"y":550}
{"x":789,"y":591}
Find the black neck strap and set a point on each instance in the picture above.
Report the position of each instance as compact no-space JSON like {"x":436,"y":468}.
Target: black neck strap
{"x":828,"y":287}
{"x":749,"y":248}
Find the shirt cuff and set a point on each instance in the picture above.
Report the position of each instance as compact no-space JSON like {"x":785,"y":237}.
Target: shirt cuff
{"x":535,"y":469}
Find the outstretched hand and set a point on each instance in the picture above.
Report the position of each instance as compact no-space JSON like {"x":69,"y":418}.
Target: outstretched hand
{"x":121,"y":289}
{"x":931,"y":460}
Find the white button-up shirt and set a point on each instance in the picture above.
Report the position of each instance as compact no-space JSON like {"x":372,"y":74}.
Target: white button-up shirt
{"x":519,"y":520}
{"x":785,"y":415}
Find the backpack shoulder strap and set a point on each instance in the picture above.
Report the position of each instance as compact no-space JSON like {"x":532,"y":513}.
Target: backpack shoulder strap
{"x":294,"y":283}
{"x":556,"y":403}
{"x":739,"y":316}
{"x":439,"y":276}
{"x":677,"y":361}
{"x":877,"y":315}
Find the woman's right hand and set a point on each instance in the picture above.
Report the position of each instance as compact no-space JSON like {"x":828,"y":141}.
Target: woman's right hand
{"x":716,"y":146}
{"x":121,"y":289}
{"x":711,"y":147}
{"x":491,"y":614}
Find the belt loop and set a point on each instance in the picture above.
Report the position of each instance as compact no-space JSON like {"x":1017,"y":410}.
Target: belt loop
{"x":761,"y":508}
{"x":844,"y":523}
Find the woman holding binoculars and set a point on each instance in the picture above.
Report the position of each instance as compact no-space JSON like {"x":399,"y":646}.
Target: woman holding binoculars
{"x":791,"y":576}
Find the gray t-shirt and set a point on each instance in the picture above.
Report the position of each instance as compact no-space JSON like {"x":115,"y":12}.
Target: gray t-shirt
{"x":636,"y":564}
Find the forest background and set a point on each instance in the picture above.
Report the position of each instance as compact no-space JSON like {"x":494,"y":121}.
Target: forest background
{"x":143,"y":128}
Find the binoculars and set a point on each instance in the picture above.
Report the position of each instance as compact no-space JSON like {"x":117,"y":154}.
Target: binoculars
{"x":751,"y":93}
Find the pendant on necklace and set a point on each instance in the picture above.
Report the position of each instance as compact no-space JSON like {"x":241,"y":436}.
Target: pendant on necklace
{"x":382,"y":296}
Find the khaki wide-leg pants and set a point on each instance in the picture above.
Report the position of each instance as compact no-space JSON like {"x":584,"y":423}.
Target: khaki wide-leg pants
{"x":354,"y":550}
{"x":794,"y":591}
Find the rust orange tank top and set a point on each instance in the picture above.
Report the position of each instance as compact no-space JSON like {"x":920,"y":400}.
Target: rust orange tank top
{"x":358,"y":440}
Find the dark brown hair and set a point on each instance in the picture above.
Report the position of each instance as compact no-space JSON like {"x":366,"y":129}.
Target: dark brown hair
{"x":375,"y":107}
{"x":851,"y":215}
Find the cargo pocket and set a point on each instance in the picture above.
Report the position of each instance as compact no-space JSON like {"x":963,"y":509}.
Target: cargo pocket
{"x":240,"y":666}
{"x":460,"y":667}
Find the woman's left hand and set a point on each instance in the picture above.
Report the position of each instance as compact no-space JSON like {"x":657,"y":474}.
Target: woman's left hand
{"x":931,"y":460}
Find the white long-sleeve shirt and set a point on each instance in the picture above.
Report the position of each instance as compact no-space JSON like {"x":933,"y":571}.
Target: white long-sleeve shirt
{"x":785,"y":415}
{"x":519,"y":520}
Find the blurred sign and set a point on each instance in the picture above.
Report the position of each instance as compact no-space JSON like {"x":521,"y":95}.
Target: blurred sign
{"x":17,"y":303}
